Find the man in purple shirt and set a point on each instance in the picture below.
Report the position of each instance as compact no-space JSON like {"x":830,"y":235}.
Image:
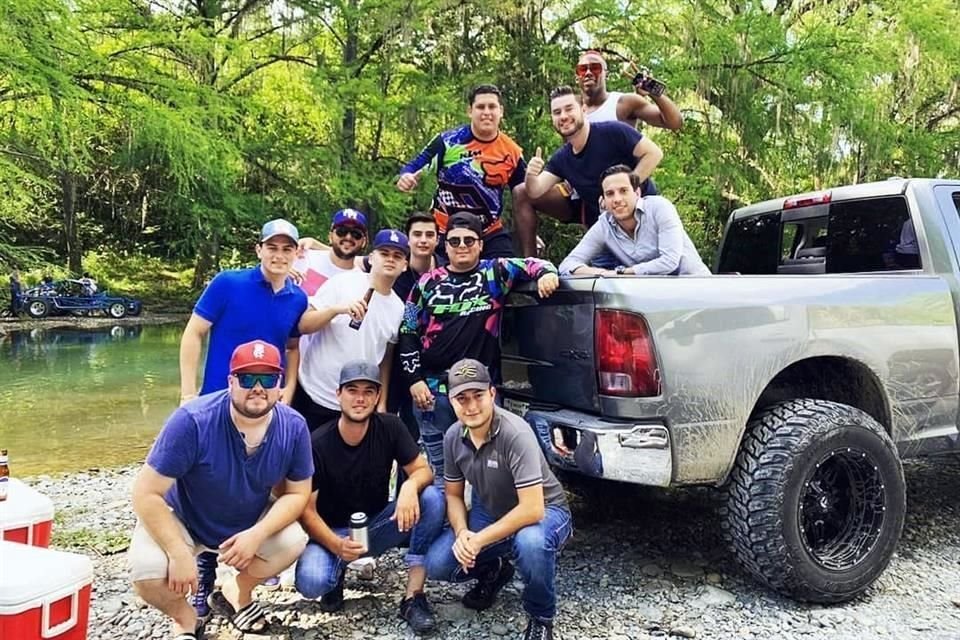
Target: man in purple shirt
{"x":207,"y":485}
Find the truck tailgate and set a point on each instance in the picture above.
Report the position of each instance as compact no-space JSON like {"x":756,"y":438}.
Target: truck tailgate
{"x":547,"y":346}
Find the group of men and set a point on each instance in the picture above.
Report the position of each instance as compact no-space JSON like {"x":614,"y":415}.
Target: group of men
{"x":477,"y":162}
{"x":326,"y":369}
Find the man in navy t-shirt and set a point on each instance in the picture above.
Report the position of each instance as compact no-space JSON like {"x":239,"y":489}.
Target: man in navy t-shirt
{"x":207,"y":485}
{"x":590,"y":149}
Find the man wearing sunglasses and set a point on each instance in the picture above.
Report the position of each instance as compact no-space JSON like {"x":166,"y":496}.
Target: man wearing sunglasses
{"x":475,"y":164}
{"x":353,"y":457}
{"x":319,"y":262}
{"x":331,"y":333}
{"x":206,"y":487}
{"x":453,"y":313}
{"x":650,"y":104}
{"x":231,"y":312}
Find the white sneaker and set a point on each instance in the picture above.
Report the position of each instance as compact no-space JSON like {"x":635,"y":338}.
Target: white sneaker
{"x":365,"y":567}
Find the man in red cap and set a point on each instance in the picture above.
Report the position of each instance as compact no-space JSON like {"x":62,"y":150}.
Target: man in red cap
{"x":230,"y":312}
{"x":206,"y":487}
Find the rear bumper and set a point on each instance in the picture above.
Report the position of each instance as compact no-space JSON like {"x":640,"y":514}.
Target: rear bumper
{"x":636,"y":452}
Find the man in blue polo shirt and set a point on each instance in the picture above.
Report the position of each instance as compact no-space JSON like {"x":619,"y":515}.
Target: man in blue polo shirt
{"x":206,"y":486}
{"x":260,"y":303}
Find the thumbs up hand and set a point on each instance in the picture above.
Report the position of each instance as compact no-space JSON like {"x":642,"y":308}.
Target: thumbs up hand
{"x":535,"y":166}
{"x":409,"y":181}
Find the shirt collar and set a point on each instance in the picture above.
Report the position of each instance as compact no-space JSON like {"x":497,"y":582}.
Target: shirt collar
{"x":258,"y":277}
{"x":494,"y":428}
{"x":637,"y":215}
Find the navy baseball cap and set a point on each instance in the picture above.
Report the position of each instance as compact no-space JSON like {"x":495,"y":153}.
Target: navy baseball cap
{"x":393,"y":239}
{"x":279,"y":227}
{"x":349,"y":217}
{"x":464,"y":220}
{"x":359,"y":370}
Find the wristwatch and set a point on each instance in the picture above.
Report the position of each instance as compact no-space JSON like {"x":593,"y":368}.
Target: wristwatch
{"x":620,"y":270}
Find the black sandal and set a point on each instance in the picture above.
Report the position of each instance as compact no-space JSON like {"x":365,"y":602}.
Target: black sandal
{"x":245,"y":620}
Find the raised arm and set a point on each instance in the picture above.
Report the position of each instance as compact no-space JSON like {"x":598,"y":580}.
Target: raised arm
{"x":661,"y":112}
{"x":648,"y":155}
{"x":410,"y":173}
{"x":537,"y":180}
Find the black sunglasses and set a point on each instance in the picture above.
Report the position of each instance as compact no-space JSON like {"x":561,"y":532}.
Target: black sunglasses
{"x":356,"y":234}
{"x":467,"y":241}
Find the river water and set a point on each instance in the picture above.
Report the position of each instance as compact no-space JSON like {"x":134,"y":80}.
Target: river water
{"x":72,"y":399}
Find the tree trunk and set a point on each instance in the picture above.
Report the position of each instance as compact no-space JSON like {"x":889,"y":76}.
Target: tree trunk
{"x":68,"y":207}
{"x":348,"y":127}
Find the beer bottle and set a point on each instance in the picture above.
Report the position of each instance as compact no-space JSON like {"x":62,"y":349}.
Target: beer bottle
{"x":4,"y":475}
{"x":355,"y":324}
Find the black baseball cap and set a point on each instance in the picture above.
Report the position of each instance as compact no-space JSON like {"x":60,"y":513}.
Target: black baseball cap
{"x":467,"y":374}
{"x":464,"y":220}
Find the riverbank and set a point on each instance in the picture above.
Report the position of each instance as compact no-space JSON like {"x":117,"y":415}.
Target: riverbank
{"x":147,"y":318}
{"x":642,"y":564}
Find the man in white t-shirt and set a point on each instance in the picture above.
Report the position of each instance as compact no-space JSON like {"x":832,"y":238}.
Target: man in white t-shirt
{"x":348,"y":239}
{"x":334,"y":337}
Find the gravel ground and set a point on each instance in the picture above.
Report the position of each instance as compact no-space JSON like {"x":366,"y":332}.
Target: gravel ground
{"x":642,"y":564}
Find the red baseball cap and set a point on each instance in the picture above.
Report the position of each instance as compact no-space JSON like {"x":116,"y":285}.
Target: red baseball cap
{"x":255,"y":355}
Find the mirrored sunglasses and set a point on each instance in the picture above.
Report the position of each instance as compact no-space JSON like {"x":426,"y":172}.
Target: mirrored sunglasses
{"x":250,"y":380}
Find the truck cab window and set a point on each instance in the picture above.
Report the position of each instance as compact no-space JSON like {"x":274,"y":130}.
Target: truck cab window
{"x":871,"y":235}
{"x":752,"y":245}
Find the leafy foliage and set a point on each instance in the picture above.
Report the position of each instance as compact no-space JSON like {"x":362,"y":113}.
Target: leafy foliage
{"x":171,"y":129}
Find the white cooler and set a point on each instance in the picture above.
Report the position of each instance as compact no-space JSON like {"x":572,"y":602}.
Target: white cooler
{"x":44,"y":594}
{"x":25,"y":516}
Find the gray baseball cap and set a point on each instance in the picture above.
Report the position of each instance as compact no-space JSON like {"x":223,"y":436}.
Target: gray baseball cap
{"x":467,"y":374}
{"x":359,"y":370}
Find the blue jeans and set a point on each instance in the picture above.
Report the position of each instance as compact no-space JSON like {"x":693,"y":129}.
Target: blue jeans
{"x":319,"y":570}
{"x":433,"y":425}
{"x":534,"y":548}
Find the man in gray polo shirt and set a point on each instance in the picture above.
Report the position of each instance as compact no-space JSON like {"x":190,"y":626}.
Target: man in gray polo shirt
{"x":518,"y":507}
{"x":644,"y":234}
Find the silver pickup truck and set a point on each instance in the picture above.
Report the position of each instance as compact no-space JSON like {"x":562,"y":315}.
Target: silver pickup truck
{"x":796,"y":380}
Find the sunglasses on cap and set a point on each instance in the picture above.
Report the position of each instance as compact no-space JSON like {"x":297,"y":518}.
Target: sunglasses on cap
{"x":250,"y":380}
{"x":593,"y":67}
{"x":467,"y":241}
{"x":353,"y":232}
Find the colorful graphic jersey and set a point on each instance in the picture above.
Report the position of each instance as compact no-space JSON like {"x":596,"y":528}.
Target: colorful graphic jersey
{"x":451,"y":315}
{"x":471,"y":175}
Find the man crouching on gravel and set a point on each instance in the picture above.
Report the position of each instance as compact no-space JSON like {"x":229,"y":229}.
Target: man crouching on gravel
{"x":518,"y":508}
{"x":206,"y":486}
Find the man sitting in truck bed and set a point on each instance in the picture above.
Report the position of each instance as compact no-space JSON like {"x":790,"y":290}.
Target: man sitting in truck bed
{"x":644,"y":233}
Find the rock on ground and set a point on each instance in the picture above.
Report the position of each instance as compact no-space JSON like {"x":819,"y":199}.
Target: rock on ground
{"x":642,"y":564}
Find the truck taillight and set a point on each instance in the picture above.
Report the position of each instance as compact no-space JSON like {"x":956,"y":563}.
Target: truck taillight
{"x":626,"y":362}
{"x":810,"y":200}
